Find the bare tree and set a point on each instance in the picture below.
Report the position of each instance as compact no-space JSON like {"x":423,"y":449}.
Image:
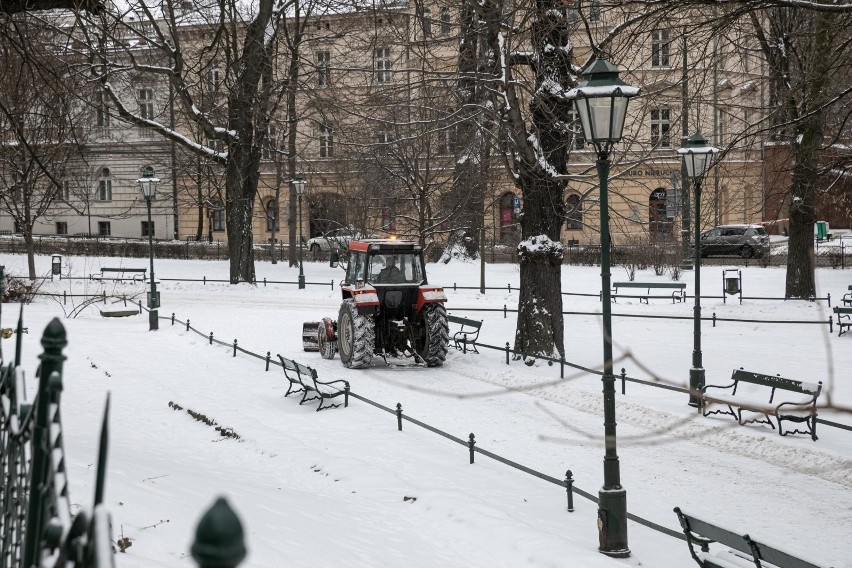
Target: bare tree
{"x":37,"y":118}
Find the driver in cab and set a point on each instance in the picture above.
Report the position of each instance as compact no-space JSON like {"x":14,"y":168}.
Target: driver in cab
{"x":390,"y":274}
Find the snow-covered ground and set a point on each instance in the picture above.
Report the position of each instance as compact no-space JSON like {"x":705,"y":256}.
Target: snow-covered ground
{"x":343,"y":487}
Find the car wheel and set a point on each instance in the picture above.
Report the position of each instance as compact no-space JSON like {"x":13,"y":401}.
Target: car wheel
{"x":746,"y":252}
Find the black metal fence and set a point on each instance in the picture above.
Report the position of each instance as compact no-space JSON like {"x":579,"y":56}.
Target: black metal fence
{"x":36,"y":525}
{"x":470,"y":442}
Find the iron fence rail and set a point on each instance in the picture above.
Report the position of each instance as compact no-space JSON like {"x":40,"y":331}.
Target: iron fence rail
{"x":567,"y":483}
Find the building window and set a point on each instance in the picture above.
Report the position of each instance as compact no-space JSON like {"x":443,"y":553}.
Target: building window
{"x":146,"y":103}
{"x":595,"y":11}
{"x":660,"y":128}
{"x":445,"y":20}
{"x":388,"y":220}
{"x":105,"y":185}
{"x":445,"y":142}
{"x":574,"y":213}
{"x":383,"y":65}
{"x":147,"y":229}
{"x":212,"y":77}
{"x":101,"y":110}
{"x":660,"y":48}
{"x":508,"y":220}
{"x":61,"y":228}
{"x":323,"y":69}
{"x":104,"y":229}
{"x":578,"y":138}
{"x":326,"y":141}
{"x":271,"y":216}
{"x":64,"y":193}
{"x":426,"y":22}
{"x":659,"y":223}
{"x":270,"y":144}
{"x":217,"y":214}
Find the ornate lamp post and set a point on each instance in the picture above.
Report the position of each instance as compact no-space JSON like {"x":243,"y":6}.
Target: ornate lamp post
{"x":601,"y":99}
{"x":697,"y":158}
{"x":299,"y":186}
{"x":148,"y":185}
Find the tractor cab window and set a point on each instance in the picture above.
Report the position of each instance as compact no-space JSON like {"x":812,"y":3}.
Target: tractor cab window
{"x":396,"y":269}
{"x":357,"y":268}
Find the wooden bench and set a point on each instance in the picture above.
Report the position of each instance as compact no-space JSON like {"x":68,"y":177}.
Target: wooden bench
{"x":751,"y":398}
{"x":468,"y":334}
{"x":678,"y":295}
{"x":746,"y":551}
{"x":844,"y":318}
{"x":847,"y":297}
{"x":304,"y":379}
{"x":121,"y":271}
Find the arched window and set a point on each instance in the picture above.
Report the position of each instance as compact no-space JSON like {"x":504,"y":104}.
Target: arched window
{"x":574,"y":213}
{"x":508,"y":221}
{"x":105,"y":185}
{"x":659,"y":223}
{"x":271,"y":215}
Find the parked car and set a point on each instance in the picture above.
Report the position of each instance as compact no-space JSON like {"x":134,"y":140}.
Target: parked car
{"x":336,"y":239}
{"x":743,"y":240}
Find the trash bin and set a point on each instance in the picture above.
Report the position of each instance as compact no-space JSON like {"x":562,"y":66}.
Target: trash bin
{"x":56,"y":266}
{"x":821,"y":228}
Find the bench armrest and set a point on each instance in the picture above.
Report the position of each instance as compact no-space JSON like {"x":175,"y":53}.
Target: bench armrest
{"x":334,"y":382}
{"x":721,"y":387}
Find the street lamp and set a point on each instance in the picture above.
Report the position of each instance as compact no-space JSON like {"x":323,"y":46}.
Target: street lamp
{"x":148,"y":185}
{"x":697,"y":158}
{"x":299,"y":186}
{"x":601,"y":99}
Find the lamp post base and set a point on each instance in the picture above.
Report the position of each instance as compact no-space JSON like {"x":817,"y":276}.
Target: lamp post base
{"x":612,"y":523}
{"x":153,"y":320}
{"x":696,"y":383}
{"x":301,"y":281}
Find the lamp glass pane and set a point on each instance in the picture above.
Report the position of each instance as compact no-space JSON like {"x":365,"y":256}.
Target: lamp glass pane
{"x":583,"y":111}
{"x":600,"y":115}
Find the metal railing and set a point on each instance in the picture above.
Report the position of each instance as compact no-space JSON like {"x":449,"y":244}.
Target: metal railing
{"x":36,"y":525}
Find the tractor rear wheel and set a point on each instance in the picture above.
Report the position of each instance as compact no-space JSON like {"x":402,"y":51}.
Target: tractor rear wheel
{"x":356,"y":336}
{"x":430,"y":334}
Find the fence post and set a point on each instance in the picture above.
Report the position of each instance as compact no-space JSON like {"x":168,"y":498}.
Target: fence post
{"x":507,"y":352}
{"x":504,"y":311}
{"x":332,"y":283}
{"x":828,"y":297}
{"x":470,"y":444}
{"x":569,"y":487}
{"x":53,"y":340}
{"x":267,"y":360}
{"x":219,"y":539}
{"x":64,"y":297}
{"x":173,"y":318}
{"x":510,"y":287}
{"x":714,"y":319}
{"x":204,"y":280}
{"x":831,"y":325}
{"x":187,"y":324}
{"x":464,"y":348}
{"x":235,"y":348}
{"x":211,"y":338}
{"x":562,"y":366}
{"x":264,"y":281}
{"x":623,"y":381}
{"x":104,"y":293}
{"x":399,"y":416}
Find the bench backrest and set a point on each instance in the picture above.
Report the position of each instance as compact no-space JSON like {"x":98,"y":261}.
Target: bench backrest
{"x":288,"y":365}
{"x":775,"y":381}
{"x":842,"y":310}
{"x":650,"y":285}
{"x":305,"y":371}
{"x":464,"y":321}
{"x":744,"y":543}
{"x":711,"y":532}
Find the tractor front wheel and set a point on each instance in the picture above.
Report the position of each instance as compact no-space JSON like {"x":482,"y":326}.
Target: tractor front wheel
{"x":430,"y":334}
{"x":356,"y":336}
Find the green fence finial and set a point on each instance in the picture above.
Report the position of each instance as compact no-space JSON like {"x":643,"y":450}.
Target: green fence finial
{"x":219,"y":538}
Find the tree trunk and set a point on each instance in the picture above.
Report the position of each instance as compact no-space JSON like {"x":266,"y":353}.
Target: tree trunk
{"x":540,"y":328}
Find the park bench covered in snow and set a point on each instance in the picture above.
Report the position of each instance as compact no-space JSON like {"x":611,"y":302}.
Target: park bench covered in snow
{"x":743,"y":551}
{"x":468,"y":334}
{"x":678,"y":294}
{"x":304,"y":379}
{"x":756,"y":398}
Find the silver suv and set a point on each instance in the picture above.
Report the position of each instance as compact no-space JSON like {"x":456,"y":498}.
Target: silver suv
{"x":744,"y":240}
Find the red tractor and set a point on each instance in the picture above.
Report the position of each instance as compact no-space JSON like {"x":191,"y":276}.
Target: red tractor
{"x":388,"y":309}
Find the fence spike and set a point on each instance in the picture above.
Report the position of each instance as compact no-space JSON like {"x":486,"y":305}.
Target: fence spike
{"x":470,"y":444}
{"x":399,"y":416}
{"x":235,"y":348}
{"x":569,"y":488}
